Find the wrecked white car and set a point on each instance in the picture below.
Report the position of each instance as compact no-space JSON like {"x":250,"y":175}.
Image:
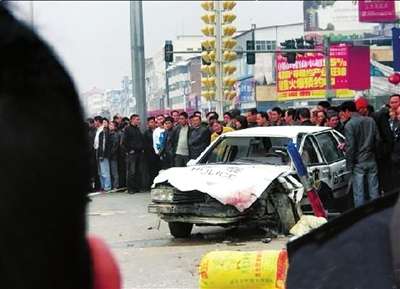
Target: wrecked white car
{"x":247,"y":176}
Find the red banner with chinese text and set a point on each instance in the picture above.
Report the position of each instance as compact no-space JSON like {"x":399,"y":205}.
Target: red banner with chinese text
{"x":376,"y":11}
{"x":306,"y":78}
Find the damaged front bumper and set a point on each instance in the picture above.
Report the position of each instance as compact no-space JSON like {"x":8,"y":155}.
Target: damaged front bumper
{"x":197,"y":213}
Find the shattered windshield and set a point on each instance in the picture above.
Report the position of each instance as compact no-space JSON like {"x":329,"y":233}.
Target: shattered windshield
{"x":262,"y":150}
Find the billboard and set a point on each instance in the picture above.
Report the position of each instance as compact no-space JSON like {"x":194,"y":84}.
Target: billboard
{"x":306,"y":79}
{"x":340,"y":19}
{"x":376,"y":11}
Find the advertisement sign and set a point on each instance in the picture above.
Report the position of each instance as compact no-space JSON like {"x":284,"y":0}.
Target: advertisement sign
{"x":396,"y":49}
{"x":306,"y":78}
{"x":340,"y":19}
{"x":376,"y":10}
{"x":246,"y":90}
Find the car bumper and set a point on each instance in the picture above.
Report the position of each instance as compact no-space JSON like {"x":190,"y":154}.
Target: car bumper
{"x":196,"y":214}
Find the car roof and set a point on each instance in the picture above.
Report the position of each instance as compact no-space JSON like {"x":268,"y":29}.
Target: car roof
{"x":277,"y":131}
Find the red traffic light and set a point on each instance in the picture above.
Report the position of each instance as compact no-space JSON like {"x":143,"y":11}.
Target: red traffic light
{"x":394,"y":78}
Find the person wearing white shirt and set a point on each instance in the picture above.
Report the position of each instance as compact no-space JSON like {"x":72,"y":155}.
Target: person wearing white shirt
{"x":157,"y":133}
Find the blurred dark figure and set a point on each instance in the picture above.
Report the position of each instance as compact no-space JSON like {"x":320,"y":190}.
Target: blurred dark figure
{"x":45,"y":168}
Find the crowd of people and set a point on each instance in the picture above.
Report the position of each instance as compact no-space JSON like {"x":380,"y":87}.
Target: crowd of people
{"x":125,"y":156}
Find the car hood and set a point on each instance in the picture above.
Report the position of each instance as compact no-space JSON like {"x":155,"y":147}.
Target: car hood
{"x":236,"y":185}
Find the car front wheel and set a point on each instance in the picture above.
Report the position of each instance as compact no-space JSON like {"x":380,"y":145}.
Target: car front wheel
{"x":180,"y":230}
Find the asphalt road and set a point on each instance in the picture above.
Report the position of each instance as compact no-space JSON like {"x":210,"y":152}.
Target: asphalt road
{"x":148,"y":255}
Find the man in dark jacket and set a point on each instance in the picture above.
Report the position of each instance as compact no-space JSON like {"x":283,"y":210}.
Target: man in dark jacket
{"x":362,"y":141}
{"x":386,"y":129}
{"x":115,"y":139}
{"x":102,"y":146}
{"x":133,"y":143}
{"x":152,"y":159}
{"x":199,"y":137}
{"x":167,"y":146}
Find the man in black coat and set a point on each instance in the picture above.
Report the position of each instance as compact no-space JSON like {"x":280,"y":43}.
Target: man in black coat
{"x":199,"y":137}
{"x":386,"y":127}
{"x":134,"y":144}
{"x":152,"y":159}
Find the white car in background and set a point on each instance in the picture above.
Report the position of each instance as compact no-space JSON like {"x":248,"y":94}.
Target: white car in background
{"x":246,"y":176}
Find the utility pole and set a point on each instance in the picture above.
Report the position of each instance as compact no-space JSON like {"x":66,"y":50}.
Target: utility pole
{"x":167,"y":85}
{"x":328,"y":88}
{"x":219,"y":69}
{"x":137,"y":59}
{"x":31,"y":14}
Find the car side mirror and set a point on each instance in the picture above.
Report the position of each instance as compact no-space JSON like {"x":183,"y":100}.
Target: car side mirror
{"x":191,"y":163}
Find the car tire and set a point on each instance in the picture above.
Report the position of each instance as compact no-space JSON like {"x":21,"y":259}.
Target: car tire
{"x":180,"y":230}
{"x":285,"y":211}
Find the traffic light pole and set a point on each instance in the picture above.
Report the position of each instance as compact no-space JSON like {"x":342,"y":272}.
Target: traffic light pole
{"x":219,"y":59}
{"x":167,"y":85}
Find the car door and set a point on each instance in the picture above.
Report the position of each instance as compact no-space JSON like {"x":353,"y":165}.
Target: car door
{"x":314,"y":161}
{"x":335,"y":161}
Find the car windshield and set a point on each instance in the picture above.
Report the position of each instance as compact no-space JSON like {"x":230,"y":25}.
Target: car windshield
{"x":263,"y":150}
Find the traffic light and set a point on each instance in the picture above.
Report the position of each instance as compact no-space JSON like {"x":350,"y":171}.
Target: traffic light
{"x":290,"y":56}
{"x":205,"y":56}
{"x":250,"y":56}
{"x":168,"y":51}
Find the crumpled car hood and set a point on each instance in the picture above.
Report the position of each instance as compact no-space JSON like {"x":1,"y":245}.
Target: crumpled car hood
{"x":236,"y":185}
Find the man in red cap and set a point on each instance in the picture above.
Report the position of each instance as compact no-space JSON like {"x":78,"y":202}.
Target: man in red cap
{"x":362,"y":106}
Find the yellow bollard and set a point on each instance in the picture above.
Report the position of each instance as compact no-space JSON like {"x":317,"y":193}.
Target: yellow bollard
{"x":243,"y":270}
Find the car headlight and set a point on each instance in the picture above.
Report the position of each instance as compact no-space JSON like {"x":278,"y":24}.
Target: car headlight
{"x":162,"y":194}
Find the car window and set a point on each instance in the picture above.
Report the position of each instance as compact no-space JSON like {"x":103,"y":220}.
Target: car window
{"x":309,"y":155}
{"x":271,"y":150}
{"x":329,"y":147}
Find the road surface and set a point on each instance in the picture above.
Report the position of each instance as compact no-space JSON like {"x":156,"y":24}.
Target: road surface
{"x":148,"y":256}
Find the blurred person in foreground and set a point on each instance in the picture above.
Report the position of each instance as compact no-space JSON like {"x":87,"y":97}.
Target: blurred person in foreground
{"x":44,"y":242}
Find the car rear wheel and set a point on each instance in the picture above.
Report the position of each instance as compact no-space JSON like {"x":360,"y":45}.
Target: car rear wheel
{"x":180,"y":230}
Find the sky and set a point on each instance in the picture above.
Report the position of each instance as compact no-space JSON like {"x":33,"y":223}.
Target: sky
{"x":92,"y":38}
